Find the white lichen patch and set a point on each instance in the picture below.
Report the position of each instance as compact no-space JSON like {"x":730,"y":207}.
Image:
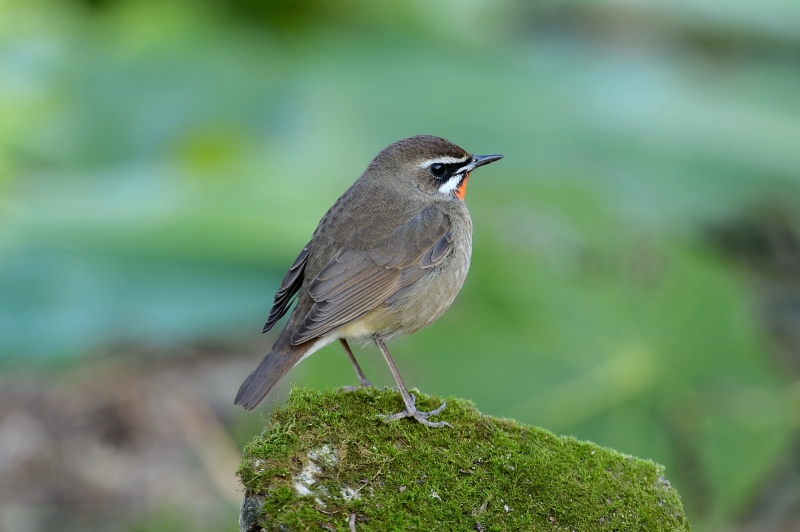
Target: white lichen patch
{"x":306,"y":478}
{"x":349,"y":493}
{"x":324,"y":456}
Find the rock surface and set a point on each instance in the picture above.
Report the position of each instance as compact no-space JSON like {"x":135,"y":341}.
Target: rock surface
{"x":326,"y":460}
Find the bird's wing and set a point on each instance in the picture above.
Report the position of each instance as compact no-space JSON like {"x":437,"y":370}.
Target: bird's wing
{"x":355,"y":282}
{"x":289,"y":286}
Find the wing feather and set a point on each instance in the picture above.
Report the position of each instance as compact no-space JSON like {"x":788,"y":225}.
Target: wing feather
{"x":323,"y":289}
{"x":354,"y":282}
{"x":291,"y":283}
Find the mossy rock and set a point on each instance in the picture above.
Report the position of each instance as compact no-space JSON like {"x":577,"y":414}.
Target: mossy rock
{"x":327,"y":458}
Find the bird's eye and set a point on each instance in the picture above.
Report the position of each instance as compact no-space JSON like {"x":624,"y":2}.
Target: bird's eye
{"x":438,"y":170}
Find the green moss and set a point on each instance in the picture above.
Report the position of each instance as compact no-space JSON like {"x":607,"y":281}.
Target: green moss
{"x":483,"y":474}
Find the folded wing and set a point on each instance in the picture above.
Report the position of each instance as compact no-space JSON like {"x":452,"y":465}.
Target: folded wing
{"x":354,"y":282}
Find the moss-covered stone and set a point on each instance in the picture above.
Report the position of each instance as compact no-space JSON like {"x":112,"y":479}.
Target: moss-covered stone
{"x":326,"y":456}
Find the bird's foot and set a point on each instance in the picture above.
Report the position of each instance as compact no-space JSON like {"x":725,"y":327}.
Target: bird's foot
{"x":422,"y":417}
{"x":363,"y":383}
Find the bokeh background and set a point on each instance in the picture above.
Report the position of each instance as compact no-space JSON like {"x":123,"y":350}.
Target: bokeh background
{"x":636,"y":270}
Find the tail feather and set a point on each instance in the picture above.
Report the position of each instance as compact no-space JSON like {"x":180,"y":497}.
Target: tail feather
{"x":271,"y":369}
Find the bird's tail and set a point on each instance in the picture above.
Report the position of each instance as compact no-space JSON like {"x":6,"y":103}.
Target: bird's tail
{"x":271,"y":370}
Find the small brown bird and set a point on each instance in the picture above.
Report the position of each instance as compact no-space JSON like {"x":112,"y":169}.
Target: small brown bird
{"x":388,"y":258}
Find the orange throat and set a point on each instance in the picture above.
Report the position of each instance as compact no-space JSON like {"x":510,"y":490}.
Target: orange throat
{"x":461,"y":191}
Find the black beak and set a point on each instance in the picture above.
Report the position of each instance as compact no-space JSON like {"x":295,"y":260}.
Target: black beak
{"x":481,"y":160}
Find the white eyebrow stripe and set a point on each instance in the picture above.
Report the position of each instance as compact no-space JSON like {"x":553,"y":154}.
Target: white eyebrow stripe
{"x":445,"y":159}
{"x":451,"y":184}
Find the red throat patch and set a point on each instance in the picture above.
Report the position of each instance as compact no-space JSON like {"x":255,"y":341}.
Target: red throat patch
{"x":461,"y":191}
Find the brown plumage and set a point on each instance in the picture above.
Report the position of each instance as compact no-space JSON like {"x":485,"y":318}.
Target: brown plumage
{"x":387,"y":258}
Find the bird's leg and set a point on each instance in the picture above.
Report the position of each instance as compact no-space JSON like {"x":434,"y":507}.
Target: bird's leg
{"x":362,"y":379}
{"x":408,"y":399}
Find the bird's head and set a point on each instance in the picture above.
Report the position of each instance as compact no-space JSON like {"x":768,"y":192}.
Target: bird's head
{"x":431,"y":164}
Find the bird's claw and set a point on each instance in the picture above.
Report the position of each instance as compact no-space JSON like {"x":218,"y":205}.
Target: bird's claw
{"x":422,"y":417}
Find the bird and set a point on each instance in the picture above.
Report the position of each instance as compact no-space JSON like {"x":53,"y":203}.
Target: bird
{"x":388,"y":258}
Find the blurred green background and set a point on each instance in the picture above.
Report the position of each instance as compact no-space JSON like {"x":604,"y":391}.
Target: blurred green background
{"x":636,"y":271}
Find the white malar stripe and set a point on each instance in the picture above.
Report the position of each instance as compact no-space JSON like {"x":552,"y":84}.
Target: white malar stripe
{"x":451,"y":184}
{"x":444,"y":160}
